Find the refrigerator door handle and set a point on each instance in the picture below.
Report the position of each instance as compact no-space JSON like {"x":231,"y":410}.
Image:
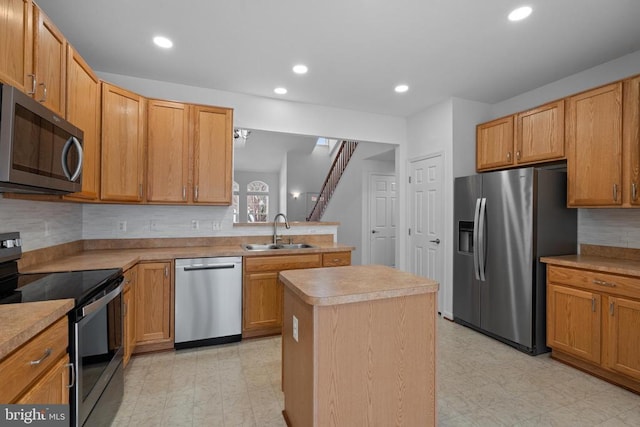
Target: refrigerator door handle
{"x":481,"y":238}
{"x":476,"y":227}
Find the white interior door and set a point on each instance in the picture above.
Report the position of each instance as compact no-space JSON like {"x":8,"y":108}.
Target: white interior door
{"x":426,"y":225}
{"x":382,"y":219}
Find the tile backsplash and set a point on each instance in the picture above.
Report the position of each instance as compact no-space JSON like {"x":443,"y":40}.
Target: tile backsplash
{"x":44,"y":224}
{"x":609,"y":227}
{"x":41,"y":224}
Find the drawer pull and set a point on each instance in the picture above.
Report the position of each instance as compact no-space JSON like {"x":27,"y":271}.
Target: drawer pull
{"x":603,"y":283}
{"x":593,"y":304}
{"x":46,"y":354}
{"x":611,"y":308}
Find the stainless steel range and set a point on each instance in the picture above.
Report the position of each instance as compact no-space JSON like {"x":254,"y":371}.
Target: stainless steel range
{"x":95,"y":328}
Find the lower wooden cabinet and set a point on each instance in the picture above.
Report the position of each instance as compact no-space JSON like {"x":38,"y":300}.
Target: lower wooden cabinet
{"x":593,"y":322}
{"x":52,"y":388}
{"x":44,"y":382}
{"x":263,"y":292}
{"x":154,"y":307}
{"x":129,"y":323}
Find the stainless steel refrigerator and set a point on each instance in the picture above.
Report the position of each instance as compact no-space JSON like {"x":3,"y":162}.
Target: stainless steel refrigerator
{"x":504,"y":222}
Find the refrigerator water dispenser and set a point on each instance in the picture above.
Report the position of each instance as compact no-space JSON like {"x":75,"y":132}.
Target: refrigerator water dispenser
{"x":465,"y":237}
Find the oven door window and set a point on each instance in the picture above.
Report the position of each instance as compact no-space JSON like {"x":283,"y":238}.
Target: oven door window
{"x":99,"y":342}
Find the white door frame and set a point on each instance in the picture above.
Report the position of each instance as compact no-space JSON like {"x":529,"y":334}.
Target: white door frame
{"x":445,"y":233}
{"x":366,"y":224}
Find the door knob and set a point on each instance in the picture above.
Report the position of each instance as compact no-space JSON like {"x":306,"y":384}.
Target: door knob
{"x":437,"y":241}
{"x":374,"y":231}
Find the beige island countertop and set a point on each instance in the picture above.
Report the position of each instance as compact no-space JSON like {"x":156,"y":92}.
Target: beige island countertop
{"x":23,"y":321}
{"x":358,"y":347}
{"x":341,"y":285}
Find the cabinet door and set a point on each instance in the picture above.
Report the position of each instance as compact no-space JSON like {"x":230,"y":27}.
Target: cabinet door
{"x":540,"y":134}
{"x":83,"y":110}
{"x":49,"y":62}
{"x":494,"y":144}
{"x":126,"y":303}
{"x":16,"y":44}
{"x":167,"y":151}
{"x":262,"y":305}
{"x":631,"y":142}
{"x":573,"y":322}
{"x":129,"y":298}
{"x":52,"y":388}
{"x":153,"y":303}
{"x":212,"y":155}
{"x":594,"y":142}
{"x":624,"y":336}
{"x":122,"y":145}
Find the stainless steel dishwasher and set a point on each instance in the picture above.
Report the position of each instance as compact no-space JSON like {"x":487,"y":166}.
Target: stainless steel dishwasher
{"x":208,"y":301}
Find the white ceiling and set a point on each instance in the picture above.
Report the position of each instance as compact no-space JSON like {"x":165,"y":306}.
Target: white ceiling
{"x":356,"y":50}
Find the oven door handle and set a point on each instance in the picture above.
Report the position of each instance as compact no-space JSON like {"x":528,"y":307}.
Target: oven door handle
{"x":98,"y":304}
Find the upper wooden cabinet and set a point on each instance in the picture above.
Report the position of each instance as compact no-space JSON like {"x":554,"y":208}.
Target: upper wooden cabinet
{"x":167,"y":151}
{"x":540,"y":134}
{"x":631,"y":142}
{"x":16,"y":44}
{"x":212,"y":155}
{"x":529,"y":137}
{"x":594,"y":147}
{"x":494,"y":144}
{"x":189,"y":153}
{"x":49,"y":62}
{"x":83,"y":110}
{"x":123,"y":117}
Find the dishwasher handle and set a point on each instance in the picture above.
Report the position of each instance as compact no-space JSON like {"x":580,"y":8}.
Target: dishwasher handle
{"x":209,"y":267}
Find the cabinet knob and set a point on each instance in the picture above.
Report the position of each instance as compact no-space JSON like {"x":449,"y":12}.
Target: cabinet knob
{"x":634,"y":191}
{"x":518,"y":154}
{"x":33,"y":84}
{"x":615,"y":192}
{"x":509,"y":156}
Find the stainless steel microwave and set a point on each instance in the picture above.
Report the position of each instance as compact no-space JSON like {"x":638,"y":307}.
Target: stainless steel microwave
{"x":40,"y":152}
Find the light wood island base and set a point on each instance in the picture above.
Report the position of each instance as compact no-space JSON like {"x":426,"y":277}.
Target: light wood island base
{"x":365,"y":353}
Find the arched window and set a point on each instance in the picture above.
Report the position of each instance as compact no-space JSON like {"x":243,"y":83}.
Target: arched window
{"x":235,"y":202}
{"x":257,"y":201}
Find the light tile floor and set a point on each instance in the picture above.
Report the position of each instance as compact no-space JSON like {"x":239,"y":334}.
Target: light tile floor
{"x":481,"y":382}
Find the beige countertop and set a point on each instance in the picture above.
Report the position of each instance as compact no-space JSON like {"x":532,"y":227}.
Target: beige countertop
{"x":21,"y":322}
{"x":596,"y":263}
{"x":341,"y":285}
{"x":127,"y":258}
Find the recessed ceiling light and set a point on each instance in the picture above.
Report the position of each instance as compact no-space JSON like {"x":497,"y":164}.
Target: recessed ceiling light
{"x":520,"y":13}
{"x":300,"y":69}
{"x":162,"y":42}
{"x":280,"y":90}
{"x":401,"y":88}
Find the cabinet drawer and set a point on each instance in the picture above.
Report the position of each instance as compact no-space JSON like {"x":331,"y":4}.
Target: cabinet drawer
{"x":17,"y":370}
{"x":336,"y":259}
{"x":282,"y":262}
{"x":595,"y":281}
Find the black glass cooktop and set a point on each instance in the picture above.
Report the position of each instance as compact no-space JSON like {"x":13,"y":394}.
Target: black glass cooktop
{"x":82,"y":286}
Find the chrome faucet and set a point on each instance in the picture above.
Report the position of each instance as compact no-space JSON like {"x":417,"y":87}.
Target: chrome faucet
{"x":275,"y":227}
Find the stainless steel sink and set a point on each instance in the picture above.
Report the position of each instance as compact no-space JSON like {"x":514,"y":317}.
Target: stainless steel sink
{"x":259,"y":247}
{"x":293,"y":246}
{"x":266,"y":247}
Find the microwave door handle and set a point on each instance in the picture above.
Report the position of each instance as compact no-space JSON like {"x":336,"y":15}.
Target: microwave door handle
{"x":65,"y":152}
{"x":476,"y":247}
{"x":98,"y":304}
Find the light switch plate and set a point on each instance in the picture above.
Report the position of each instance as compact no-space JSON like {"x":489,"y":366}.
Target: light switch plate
{"x":295,"y":328}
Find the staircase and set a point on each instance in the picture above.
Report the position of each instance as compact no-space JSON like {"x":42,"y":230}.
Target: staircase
{"x":333,"y":177}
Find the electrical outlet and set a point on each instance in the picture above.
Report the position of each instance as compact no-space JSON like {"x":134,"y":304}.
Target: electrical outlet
{"x":216,"y":226}
{"x":195,"y":224}
{"x":295,"y":328}
{"x":47,"y":229}
{"x":122,"y":226}
{"x":153,"y":225}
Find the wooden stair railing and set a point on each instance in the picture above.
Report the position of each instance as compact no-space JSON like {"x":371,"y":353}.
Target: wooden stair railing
{"x":333,"y":177}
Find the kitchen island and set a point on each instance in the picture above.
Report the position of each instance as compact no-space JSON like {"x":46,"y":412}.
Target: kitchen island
{"x":358,"y":347}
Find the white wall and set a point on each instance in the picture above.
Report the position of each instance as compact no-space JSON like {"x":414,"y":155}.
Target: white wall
{"x":306,"y":174}
{"x":275,"y":114}
{"x":41,"y":224}
{"x":609,"y":227}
